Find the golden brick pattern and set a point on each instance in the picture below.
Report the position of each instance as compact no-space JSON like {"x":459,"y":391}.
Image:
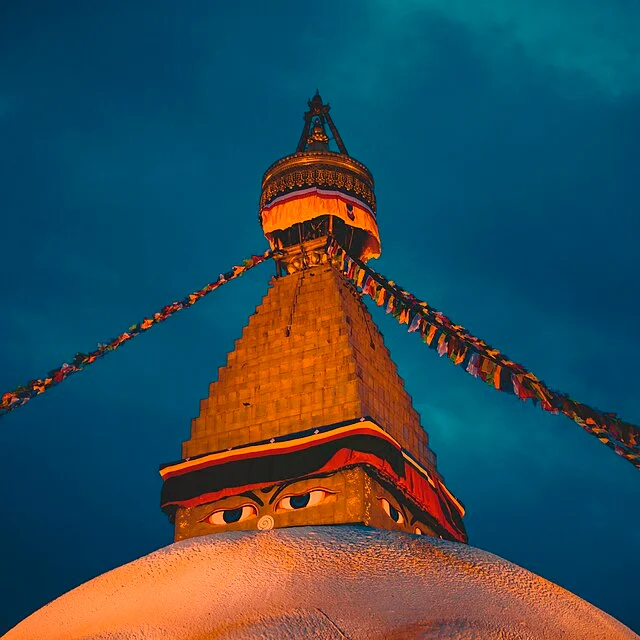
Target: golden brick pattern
{"x":310,"y":355}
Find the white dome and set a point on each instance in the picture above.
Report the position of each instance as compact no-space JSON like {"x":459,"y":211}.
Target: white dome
{"x":319,"y":582}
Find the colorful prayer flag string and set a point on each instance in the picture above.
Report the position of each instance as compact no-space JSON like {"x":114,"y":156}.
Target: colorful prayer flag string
{"x":19,"y":396}
{"x":480,"y":360}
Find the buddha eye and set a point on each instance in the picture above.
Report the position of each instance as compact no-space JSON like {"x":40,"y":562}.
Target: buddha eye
{"x":231,"y":516}
{"x":418,"y":531}
{"x":391,"y":511}
{"x":303,"y":500}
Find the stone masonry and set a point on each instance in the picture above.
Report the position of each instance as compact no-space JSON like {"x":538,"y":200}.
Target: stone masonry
{"x":310,"y":356}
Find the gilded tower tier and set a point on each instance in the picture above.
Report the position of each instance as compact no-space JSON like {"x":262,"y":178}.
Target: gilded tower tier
{"x":309,"y":422}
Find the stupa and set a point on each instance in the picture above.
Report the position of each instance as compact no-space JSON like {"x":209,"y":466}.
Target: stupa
{"x":307,"y":502}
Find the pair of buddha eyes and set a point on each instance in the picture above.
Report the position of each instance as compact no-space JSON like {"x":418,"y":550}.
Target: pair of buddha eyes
{"x":289,"y":503}
{"x":293,"y":503}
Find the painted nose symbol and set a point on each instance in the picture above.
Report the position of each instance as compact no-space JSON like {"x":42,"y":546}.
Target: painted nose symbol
{"x":265,"y":523}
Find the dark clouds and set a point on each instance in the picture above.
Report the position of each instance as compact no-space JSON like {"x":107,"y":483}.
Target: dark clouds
{"x":134,"y":140}
{"x":593,"y":41}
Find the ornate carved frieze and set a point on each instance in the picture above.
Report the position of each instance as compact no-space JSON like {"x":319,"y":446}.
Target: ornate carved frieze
{"x":318,"y":169}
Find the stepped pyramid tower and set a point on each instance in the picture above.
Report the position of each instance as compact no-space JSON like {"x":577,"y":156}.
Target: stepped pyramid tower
{"x":309,"y":422}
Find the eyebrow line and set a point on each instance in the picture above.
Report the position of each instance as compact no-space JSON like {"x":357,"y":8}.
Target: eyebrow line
{"x":252,"y":496}
{"x":280,"y":489}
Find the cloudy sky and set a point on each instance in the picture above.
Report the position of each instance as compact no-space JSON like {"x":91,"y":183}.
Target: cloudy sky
{"x":503,"y":136}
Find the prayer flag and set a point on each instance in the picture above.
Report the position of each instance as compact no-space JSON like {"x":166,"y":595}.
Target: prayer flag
{"x":430,"y":334}
{"x":472,"y":367}
{"x":367,"y":284}
{"x":391,"y":304}
{"x":415,"y":323}
{"x":520,"y":390}
{"x":496,"y":377}
{"x":442,"y":344}
{"x":461,"y":355}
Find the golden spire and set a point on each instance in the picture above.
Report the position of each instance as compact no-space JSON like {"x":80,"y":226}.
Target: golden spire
{"x":319,"y":111}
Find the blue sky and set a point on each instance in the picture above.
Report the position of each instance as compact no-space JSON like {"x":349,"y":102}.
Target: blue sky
{"x":503,"y":137}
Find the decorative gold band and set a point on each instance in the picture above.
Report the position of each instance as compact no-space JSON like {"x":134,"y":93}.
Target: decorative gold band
{"x":318,"y":169}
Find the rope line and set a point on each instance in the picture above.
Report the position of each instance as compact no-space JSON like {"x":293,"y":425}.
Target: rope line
{"x":21,"y":395}
{"x":481,"y":360}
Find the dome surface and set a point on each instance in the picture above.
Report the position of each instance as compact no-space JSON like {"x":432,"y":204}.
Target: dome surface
{"x":319,"y":582}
